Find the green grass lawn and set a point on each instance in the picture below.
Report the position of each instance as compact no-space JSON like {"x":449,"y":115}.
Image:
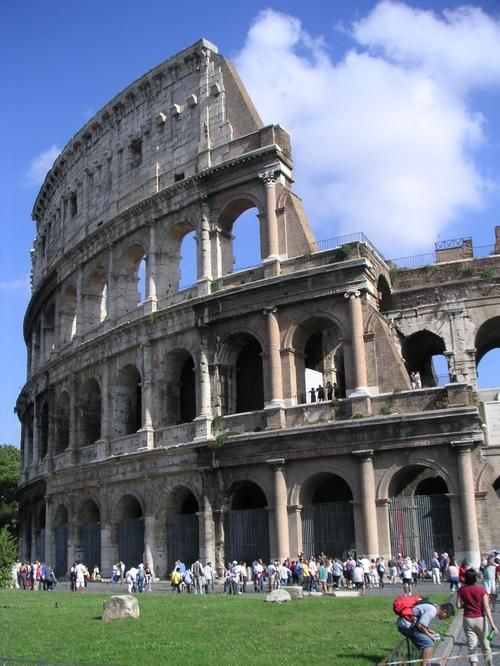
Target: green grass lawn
{"x":187,"y":629}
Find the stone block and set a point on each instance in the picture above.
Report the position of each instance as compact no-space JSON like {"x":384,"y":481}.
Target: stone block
{"x":295,"y":592}
{"x":120,"y":607}
{"x":278,"y":596}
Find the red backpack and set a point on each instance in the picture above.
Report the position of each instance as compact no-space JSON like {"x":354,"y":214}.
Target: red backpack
{"x":403,"y":605}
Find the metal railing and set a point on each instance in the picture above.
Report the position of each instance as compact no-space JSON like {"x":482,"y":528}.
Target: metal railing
{"x":428,"y":259}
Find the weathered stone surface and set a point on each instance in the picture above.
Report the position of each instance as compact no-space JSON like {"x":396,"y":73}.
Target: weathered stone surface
{"x":345,"y":593}
{"x":278,"y":596}
{"x":295,"y":591}
{"x":120,"y":607}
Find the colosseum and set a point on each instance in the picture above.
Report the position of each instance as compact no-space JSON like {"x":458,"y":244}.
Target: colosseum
{"x":287,"y":407}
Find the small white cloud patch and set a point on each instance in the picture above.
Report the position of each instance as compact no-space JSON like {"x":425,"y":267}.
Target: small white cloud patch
{"x":40,"y":165}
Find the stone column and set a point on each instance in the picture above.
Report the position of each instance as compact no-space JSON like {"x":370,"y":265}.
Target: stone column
{"x":203,"y":419}
{"x":149,"y":540}
{"x":274,"y":358}
{"x":207,"y":534}
{"x":108,"y":551}
{"x":35,"y":342}
{"x":269,"y":180}
{"x":35,"y":458}
{"x":204,"y":260}
{"x":49,"y":531}
{"x":103,"y":441}
{"x":220,"y":554}
{"x":80,"y":304}
{"x":471,"y":551}
{"x":368,"y":504}
{"x":357,"y":343}
{"x":111,"y":297}
{"x":147,"y":396}
{"x":280,"y":513}
{"x":151,"y":302}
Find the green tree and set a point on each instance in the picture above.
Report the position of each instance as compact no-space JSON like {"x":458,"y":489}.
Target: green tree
{"x":10,"y":461}
{"x":8,"y":555}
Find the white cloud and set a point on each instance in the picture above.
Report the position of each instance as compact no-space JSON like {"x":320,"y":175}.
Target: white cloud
{"x":40,"y":165}
{"x":384,"y":140}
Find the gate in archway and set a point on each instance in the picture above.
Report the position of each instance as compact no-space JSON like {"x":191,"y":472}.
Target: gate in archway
{"x":182,"y":538}
{"x":131,"y":541}
{"x":328,"y":527}
{"x":246,"y":535}
{"x":91,"y":538}
{"x":61,"y":544}
{"x":420,"y":525}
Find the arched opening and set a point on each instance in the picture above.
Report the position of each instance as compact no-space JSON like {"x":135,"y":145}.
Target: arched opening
{"x":40,"y":532}
{"x":62,"y":423}
{"x":90,"y":534}
{"x":246,"y":526}
{"x":249,"y":378}
{"x":246,"y":240}
{"x":90,"y":410}
{"x":187,"y":262}
{"x":241,"y":375}
{"x":181,"y":388}
{"x":496,"y":487}
{"x":49,"y":329}
{"x":320,"y":361}
{"x":182,"y":527}
{"x":94,"y":302}
{"x":327,"y":517}
{"x":67,"y":315}
{"x":419,"y":350}
{"x":129,"y":296}
{"x":488,"y":354}
{"x":61,"y":541}
{"x":384,"y":294}
{"x":141,"y":281}
{"x":419,"y":513}
{"x":130,"y":531}
{"x":239,"y":238}
{"x":127,"y":402}
{"x":28,"y":435}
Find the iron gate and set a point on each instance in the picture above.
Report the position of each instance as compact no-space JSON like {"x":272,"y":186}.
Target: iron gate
{"x":420,"y":525}
{"x":91,"y":538}
{"x":246,"y":535}
{"x":182,"y":539}
{"x":61,"y":543}
{"x":131,"y":541}
{"x":40,"y":545}
{"x":328,"y":527}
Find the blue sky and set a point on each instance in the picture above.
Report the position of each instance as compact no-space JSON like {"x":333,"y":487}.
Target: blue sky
{"x":393,"y":111}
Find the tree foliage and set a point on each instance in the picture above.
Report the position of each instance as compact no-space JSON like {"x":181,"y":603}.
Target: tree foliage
{"x":10,"y":462}
{"x":8,"y":555}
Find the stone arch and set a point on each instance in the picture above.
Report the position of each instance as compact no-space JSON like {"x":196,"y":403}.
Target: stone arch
{"x":89,"y":533}
{"x":129,"y":515}
{"x":60,"y":534}
{"x":319,"y":357}
{"x":327,"y":515}
{"x":241,"y":379}
{"x":180,"y":404}
{"x":94,"y":298}
{"x":90,"y":412}
{"x":419,"y":511}
{"x":182,"y":528}
{"x":127,"y":401}
{"x":128,"y":297}
{"x":169,"y":259}
{"x":487,"y":345}
{"x":224,"y":258}
{"x":62,"y":422}
{"x":418,"y":351}
{"x":246,"y":523}
{"x":68,"y":314}
{"x":384,"y":295}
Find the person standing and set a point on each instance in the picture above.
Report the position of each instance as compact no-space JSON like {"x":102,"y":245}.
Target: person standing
{"x":436,"y":570}
{"x":474,"y":600}
{"x":489,"y":580}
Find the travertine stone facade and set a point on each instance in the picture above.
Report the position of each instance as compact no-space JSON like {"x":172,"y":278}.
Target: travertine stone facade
{"x":169,"y":422}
